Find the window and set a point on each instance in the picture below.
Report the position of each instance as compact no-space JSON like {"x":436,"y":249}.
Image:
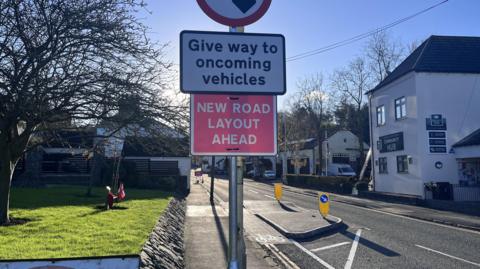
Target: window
{"x":382,"y":165}
{"x":380,"y":115}
{"x":402,"y":164}
{"x":400,"y":108}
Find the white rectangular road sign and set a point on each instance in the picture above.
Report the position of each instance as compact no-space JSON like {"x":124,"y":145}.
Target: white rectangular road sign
{"x":239,"y":63}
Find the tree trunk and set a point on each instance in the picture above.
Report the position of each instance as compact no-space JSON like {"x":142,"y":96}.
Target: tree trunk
{"x":7,"y":167}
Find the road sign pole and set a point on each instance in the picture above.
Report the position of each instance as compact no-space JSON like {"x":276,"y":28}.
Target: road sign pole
{"x":237,"y":244}
{"x":232,"y":209}
{"x":241,"y":251}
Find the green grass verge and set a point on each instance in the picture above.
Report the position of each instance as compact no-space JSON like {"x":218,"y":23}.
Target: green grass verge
{"x":66,"y":223}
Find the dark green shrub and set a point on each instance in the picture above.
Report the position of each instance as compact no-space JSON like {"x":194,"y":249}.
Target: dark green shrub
{"x":166,"y":183}
{"x":322,"y":183}
{"x":362,"y":186}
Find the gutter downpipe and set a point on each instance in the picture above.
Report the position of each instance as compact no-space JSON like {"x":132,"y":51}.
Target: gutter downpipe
{"x":372,"y":156}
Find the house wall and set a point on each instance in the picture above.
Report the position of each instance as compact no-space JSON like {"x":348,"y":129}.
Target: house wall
{"x":300,"y":154}
{"x":342,"y":143}
{"x":405,"y":183}
{"x":467,"y":152}
{"x":455,"y":97}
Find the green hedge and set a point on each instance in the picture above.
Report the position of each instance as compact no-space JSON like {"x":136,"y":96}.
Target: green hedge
{"x":323,"y":183}
{"x":167,"y":183}
{"x":132,"y":179}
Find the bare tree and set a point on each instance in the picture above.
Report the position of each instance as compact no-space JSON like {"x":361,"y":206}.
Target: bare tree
{"x":383,"y":55}
{"x":76,"y":62}
{"x":411,"y":47}
{"x":315,"y":102}
{"x":352,"y":82}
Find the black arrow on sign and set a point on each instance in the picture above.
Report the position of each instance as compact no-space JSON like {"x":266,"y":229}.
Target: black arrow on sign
{"x":244,"y":5}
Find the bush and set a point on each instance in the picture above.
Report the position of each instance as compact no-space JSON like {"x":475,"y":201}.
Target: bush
{"x":167,"y":183}
{"x":362,"y":186}
{"x":323,"y":183}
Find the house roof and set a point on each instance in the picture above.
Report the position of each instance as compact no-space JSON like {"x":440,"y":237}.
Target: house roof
{"x":80,"y":138}
{"x":439,"y":54}
{"x":308,"y":143}
{"x":472,"y":139}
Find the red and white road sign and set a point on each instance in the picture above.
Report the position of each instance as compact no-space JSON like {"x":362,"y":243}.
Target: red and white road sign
{"x":233,"y":125}
{"x":235,"y":12}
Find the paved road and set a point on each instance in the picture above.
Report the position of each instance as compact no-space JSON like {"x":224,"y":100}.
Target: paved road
{"x":372,"y":239}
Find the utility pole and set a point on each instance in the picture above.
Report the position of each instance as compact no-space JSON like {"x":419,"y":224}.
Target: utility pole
{"x":326,"y":153}
{"x":284,"y":159}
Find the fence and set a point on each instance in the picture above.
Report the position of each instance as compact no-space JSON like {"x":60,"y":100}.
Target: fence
{"x":466,"y":193}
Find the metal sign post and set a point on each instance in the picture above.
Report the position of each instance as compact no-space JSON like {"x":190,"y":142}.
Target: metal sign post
{"x":235,"y":202}
{"x":232,"y":212}
{"x":242,"y":254}
{"x":217,"y":65}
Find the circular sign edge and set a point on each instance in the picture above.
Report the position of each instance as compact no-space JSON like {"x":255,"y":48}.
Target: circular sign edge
{"x":234,"y":22}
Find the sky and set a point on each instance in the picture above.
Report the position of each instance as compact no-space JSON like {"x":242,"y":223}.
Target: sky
{"x":312,"y":24}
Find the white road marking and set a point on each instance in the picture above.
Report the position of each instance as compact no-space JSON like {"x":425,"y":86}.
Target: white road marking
{"x":269,"y":196}
{"x":448,"y":255}
{"x":256,"y":192}
{"x":351,"y":255}
{"x":283,"y":257}
{"x":322,"y":262}
{"x":330,"y":246}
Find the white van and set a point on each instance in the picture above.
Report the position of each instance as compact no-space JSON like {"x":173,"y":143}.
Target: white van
{"x":340,"y":169}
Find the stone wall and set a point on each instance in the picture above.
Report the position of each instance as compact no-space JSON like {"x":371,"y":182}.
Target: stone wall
{"x":165,"y":247}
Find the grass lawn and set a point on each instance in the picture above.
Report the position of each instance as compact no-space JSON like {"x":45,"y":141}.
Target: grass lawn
{"x":66,"y":223}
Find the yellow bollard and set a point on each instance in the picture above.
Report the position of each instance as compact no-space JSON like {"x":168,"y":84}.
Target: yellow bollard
{"x":278,"y":191}
{"x":324,"y":203}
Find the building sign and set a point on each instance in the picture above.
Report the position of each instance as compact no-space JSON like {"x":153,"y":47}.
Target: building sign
{"x":438,"y":149}
{"x":436,"y":134}
{"x":436,"y":122}
{"x":437,"y":140}
{"x":239,"y":63}
{"x":391,"y":142}
{"x":232,"y":125}
{"x":441,"y":142}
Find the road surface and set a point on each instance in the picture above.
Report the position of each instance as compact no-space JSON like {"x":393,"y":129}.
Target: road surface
{"x":370,"y":238}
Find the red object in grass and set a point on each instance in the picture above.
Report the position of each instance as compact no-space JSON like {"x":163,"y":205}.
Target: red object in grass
{"x":121,"y":192}
{"x":110,"y":198}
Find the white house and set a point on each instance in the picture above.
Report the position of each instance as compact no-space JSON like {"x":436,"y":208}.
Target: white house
{"x":420,"y":111}
{"x":341,"y":147}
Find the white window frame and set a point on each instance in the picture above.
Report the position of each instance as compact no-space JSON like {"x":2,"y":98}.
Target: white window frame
{"x":405,"y":164}
{"x":400,"y":108}
{"x":381,"y":115}
{"x":382,"y":164}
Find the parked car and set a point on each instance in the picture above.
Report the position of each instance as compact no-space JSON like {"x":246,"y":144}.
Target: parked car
{"x":269,"y":174}
{"x":250,"y":174}
{"x":340,"y":169}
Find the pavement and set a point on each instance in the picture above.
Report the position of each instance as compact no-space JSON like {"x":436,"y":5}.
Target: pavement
{"x":206,"y":235}
{"x":380,"y":237}
{"x":284,"y":218}
{"x":267,"y":224}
